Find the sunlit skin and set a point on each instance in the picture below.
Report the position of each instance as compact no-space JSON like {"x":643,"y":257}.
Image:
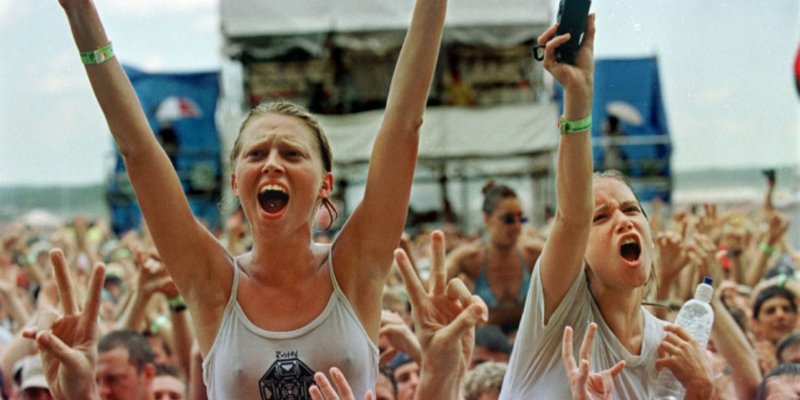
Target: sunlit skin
{"x":282,"y":150}
{"x":117,"y":378}
{"x":776,"y":319}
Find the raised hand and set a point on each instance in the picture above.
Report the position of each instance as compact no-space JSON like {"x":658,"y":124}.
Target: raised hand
{"x":578,"y":76}
{"x":68,"y":343}
{"x":583,"y":383}
{"x":323,"y":390}
{"x":396,"y":337}
{"x":444,"y":318}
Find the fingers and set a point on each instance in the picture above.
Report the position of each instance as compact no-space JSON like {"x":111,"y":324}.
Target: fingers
{"x":588,"y":340}
{"x":53,"y":346}
{"x":416,"y":291}
{"x":679,"y":332}
{"x":465,"y":321}
{"x":457,"y":291}
{"x":550,"y":48}
{"x":547,"y":35}
{"x":566,"y":350}
{"x":341,"y":383}
{"x":588,"y":37}
{"x":369,"y":395}
{"x":324,"y":389}
{"x":438,"y":272}
{"x":616,"y":369}
{"x":63,"y":282}
{"x":92,"y":307}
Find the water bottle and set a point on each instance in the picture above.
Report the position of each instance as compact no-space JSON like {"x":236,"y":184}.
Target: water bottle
{"x":696,"y":317}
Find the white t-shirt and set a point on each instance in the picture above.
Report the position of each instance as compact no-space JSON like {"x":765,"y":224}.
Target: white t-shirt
{"x":536,"y":371}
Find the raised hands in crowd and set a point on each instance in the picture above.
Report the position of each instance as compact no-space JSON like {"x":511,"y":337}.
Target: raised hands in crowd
{"x":68,"y":342}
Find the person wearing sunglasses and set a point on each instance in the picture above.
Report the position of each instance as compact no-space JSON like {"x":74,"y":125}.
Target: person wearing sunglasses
{"x":498,"y":268}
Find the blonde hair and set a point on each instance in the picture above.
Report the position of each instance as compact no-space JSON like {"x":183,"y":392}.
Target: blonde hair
{"x":290,"y":109}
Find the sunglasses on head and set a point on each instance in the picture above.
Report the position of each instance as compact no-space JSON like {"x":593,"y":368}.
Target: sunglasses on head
{"x":511,"y":219}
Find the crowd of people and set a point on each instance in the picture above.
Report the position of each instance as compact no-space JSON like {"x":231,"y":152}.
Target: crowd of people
{"x":266,"y":309}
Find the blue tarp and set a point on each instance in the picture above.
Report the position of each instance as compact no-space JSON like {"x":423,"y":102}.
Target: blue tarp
{"x":640,"y":147}
{"x":180,"y":108}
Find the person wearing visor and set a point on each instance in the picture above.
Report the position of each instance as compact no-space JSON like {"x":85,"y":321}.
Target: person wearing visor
{"x":498,"y":268}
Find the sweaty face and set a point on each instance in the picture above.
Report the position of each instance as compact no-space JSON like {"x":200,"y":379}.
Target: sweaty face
{"x":776,"y":318}
{"x":279,"y":171}
{"x":620,"y":251}
{"x":505,"y":222}
{"x":117,"y":378}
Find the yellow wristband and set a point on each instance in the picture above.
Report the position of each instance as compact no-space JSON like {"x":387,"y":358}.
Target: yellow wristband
{"x":574,"y":126}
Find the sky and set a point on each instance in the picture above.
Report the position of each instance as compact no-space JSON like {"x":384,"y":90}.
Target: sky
{"x":726,"y":75}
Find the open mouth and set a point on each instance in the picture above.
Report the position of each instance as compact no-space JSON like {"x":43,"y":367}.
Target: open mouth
{"x":630,"y":250}
{"x":273,"y":199}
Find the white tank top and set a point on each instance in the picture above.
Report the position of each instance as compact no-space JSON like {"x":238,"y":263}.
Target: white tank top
{"x":247,"y":362}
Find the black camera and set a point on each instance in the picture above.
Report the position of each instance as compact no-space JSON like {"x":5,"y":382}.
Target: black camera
{"x":571,"y":18}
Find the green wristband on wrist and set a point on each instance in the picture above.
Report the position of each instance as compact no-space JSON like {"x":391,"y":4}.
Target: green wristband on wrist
{"x":567,"y":126}
{"x":176,"y":304}
{"x":98,"y":56}
{"x":764,"y":247}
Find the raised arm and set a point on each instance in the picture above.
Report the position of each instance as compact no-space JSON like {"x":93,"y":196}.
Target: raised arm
{"x":369,"y":238}
{"x":175,"y":231}
{"x":562,"y":257}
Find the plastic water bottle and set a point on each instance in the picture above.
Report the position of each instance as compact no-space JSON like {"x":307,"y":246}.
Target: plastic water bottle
{"x":696,"y":317}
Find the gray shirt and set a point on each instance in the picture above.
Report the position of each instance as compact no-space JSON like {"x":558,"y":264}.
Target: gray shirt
{"x":536,"y":371}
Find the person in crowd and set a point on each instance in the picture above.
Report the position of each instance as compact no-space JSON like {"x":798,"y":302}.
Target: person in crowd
{"x":167,"y":384}
{"x":289,"y":302}
{"x":125,"y":366}
{"x":788,"y":349}
{"x":405,"y":373}
{"x":490,"y":345}
{"x":774,"y":313}
{"x":598,"y":263}
{"x":499,"y":269}
{"x":34,"y":385}
{"x":485,"y":381}
{"x":386,"y":388}
{"x":782,"y":383}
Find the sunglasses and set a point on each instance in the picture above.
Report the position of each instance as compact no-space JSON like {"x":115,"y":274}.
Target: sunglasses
{"x":511,"y":219}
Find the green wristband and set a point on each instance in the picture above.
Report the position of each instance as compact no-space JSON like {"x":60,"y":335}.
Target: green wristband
{"x":574,"y":126}
{"x":98,"y":56}
{"x":764,"y":247}
{"x":176,"y":304}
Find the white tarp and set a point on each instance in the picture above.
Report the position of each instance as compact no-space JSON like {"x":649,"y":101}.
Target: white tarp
{"x":453,"y":132}
{"x":247,"y":18}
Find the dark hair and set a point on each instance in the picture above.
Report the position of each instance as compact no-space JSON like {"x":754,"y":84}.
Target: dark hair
{"x":770,"y":292}
{"x":167,"y":370}
{"x":780,"y":370}
{"x":139,"y":352}
{"x":290,"y":109}
{"x":493,"y":194}
{"x":787,"y":341}
{"x":492,"y":338}
{"x":389,"y":374}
